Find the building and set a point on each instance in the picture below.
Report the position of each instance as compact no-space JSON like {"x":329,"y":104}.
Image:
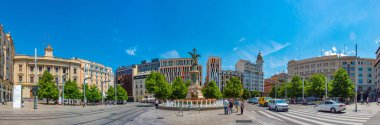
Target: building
{"x":98,"y":74}
{"x":62,"y":69}
{"x":178,"y":67}
{"x":225,"y":76}
{"x":214,"y":67}
{"x":145,"y":66}
{"x":329,"y":64}
{"x":139,"y":91}
{"x":276,"y":79}
{"x":124,"y":77}
{"x":377,"y":73}
{"x":253,"y":73}
{"x":7,"y":52}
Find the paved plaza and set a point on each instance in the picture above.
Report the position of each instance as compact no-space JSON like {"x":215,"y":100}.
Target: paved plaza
{"x":144,"y":114}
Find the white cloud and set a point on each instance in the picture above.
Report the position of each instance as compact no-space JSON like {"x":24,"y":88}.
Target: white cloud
{"x":131,"y":51}
{"x":170,"y":54}
{"x":277,"y":62}
{"x":334,"y":51}
{"x":242,"y":39}
{"x":250,"y":52}
{"x":235,"y":49}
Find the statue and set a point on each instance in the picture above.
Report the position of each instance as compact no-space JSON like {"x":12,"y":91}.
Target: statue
{"x":194,"y":90}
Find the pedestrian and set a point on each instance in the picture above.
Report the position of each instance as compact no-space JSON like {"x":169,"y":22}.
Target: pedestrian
{"x":2,"y":101}
{"x":236,"y":103}
{"x":156,"y":104}
{"x":242,"y":107}
{"x":225,"y":105}
{"x":231,"y":106}
{"x":367,"y":100}
{"x":361,"y":101}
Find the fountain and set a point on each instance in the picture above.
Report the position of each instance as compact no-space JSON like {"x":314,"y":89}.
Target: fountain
{"x":194,"y":98}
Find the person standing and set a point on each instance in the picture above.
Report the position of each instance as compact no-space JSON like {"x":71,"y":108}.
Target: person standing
{"x":231,"y":106}
{"x":225,"y":104}
{"x":156,"y":104}
{"x":236,"y":103}
{"x":241,"y":107}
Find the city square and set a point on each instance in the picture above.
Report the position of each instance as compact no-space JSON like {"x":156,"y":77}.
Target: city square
{"x":254,"y":62}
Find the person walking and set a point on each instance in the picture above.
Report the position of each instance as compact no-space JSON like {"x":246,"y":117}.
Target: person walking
{"x":156,"y":104}
{"x":368,"y":101}
{"x":225,"y":104}
{"x":236,"y":103}
{"x":231,"y":106}
{"x":242,"y":107}
{"x":361,"y":101}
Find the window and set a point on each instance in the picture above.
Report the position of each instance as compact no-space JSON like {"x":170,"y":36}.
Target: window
{"x":64,"y":70}
{"x":360,"y":80}
{"x":75,"y":71}
{"x":369,"y":75}
{"x":20,"y":68}
{"x":360,"y":69}
{"x":56,"y":69}
{"x":31,"y":79}
{"x":56,"y":80}
{"x":369,"y":69}
{"x":48,"y":69}
{"x":360,"y":75}
{"x":40,"y":68}
{"x":20,"y":79}
{"x":31,"y":68}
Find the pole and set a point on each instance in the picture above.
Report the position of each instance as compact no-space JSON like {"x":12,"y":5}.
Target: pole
{"x":63,"y":93}
{"x":356,"y":77}
{"x":115,"y":93}
{"x":35,"y":77}
{"x":303,"y":88}
{"x":326,"y":88}
{"x":84,"y":86}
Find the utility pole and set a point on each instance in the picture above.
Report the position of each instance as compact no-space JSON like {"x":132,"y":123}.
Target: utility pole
{"x":356,"y":77}
{"x":103,"y":89}
{"x":303,"y":88}
{"x":84,"y":84}
{"x":63,"y":89}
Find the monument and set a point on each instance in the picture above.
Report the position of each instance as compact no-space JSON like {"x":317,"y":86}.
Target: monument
{"x":194,"y":90}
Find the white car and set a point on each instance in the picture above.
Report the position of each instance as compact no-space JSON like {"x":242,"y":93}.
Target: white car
{"x":278,"y":105}
{"x":331,"y":106}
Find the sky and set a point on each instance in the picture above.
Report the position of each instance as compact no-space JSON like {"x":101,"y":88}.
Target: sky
{"x":120,"y":33}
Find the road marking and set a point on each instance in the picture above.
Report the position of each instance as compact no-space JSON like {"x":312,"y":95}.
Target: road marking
{"x":332,"y":117}
{"x":289,"y":119}
{"x":322,"y":119}
{"x":343,"y":115}
{"x":267,"y":115}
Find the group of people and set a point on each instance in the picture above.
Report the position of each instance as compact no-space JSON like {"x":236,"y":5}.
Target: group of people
{"x":229,"y":106}
{"x":362,"y":103}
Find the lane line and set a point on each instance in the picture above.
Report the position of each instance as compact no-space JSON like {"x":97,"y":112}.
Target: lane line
{"x":267,"y":115}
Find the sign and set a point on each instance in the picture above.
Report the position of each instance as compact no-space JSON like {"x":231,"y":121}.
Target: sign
{"x":17,"y":96}
{"x":35,"y":90}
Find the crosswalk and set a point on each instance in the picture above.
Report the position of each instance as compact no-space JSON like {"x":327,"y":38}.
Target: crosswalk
{"x":309,"y":116}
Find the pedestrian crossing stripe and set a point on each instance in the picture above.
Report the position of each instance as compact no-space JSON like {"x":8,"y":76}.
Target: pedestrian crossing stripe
{"x":315,"y":117}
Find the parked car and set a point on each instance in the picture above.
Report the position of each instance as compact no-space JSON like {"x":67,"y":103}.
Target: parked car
{"x":331,"y":106}
{"x":263,"y":101}
{"x":278,"y":105}
{"x":309,"y":102}
{"x":254,"y":100}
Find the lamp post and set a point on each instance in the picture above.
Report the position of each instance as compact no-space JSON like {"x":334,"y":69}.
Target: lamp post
{"x":84,"y":91}
{"x":102,"y":89}
{"x":35,"y":87}
{"x":63,"y":88}
{"x":325,"y":84}
{"x":356,"y":77}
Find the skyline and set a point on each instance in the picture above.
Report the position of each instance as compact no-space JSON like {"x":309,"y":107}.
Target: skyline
{"x":123,"y":33}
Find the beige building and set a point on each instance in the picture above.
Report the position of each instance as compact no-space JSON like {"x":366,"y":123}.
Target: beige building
{"x":61,"y":69}
{"x":139,"y":90}
{"x":7,"y":52}
{"x":329,"y":64}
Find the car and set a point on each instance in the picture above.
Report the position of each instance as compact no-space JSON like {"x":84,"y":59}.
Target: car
{"x":254,"y":100}
{"x":263,"y":101}
{"x":331,"y":106}
{"x":308,"y":102}
{"x":278,"y":105}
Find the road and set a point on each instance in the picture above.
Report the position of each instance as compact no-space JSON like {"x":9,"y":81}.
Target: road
{"x":73,"y":115}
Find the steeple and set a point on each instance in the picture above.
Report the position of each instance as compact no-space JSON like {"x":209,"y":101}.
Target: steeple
{"x":259,"y":57}
{"x":49,"y":51}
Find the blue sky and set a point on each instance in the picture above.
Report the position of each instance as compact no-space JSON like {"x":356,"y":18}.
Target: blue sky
{"x":125,"y":32}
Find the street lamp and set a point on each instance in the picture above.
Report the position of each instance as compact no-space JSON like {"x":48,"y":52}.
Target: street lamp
{"x":325,"y":84}
{"x":63,"y":89}
{"x":102,"y":89}
{"x":84,"y":90}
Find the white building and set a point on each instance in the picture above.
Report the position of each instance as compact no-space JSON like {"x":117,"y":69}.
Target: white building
{"x":253,"y":75}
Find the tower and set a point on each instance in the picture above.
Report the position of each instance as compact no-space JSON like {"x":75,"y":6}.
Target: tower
{"x":49,"y":51}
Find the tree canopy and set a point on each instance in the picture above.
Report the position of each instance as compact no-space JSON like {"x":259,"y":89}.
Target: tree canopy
{"x":294,"y":88}
{"x":341,"y":85}
{"x":72,"y":90}
{"x":233,"y":89}
{"x":179,"y":89}
{"x":212,"y":91}
{"x":47,"y":87}
{"x":156,"y":84}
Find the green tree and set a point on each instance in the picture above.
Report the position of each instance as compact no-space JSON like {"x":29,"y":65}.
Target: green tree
{"x":47,"y":88}
{"x":72,"y":90}
{"x":245,"y":94}
{"x":212,"y":91}
{"x":342,"y":85}
{"x":121,"y":94}
{"x":156,"y":84}
{"x":255,"y":93}
{"x":87,"y":93}
{"x":317,"y":85}
{"x":233,"y":89}
{"x":94,"y":94}
{"x":110,"y":93}
{"x":294,"y":88}
{"x":188,"y":82}
{"x":272,"y":92}
{"x":179,"y":89}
